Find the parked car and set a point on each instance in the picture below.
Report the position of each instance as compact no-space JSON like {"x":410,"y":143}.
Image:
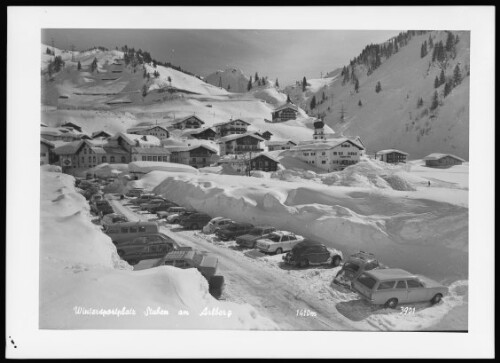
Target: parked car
{"x":143,"y":198}
{"x":103,"y":207}
{"x":155,"y":201}
{"x":233,"y":230}
{"x":146,"y":247}
{"x":170,"y":211}
{"x":206,"y":264}
{"x":278,"y":242}
{"x":392,"y":286}
{"x":177,"y":218}
{"x":310,"y":252}
{"x":215,"y":223}
{"x":249,"y":239}
{"x":355,"y":265}
{"x":195,"y":220}
{"x":127,"y":231}
{"x":135,"y":192}
{"x":163,"y":206}
{"x":113,"y":218}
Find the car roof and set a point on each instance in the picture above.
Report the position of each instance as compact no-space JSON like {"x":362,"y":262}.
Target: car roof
{"x":282,"y":233}
{"x":307,"y":243}
{"x":390,"y":273}
{"x":127,"y":224}
{"x":263,"y":227}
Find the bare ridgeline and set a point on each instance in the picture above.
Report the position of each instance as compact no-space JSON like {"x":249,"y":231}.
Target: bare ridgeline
{"x":232,"y":202}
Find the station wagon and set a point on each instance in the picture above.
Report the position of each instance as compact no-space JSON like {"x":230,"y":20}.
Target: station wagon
{"x":127,"y":231}
{"x":278,"y":242}
{"x":310,"y":252}
{"x":392,"y":286}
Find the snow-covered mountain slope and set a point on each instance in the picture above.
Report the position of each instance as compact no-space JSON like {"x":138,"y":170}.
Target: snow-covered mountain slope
{"x":232,"y":79}
{"x":392,"y":117}
{"x":116,"y":97}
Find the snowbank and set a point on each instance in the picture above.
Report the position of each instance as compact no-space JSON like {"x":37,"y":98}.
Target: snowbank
{"x":108,"y":170}
{"x":85,"y":285}
{"x":422,"y":235}
{"x":143,"y":167}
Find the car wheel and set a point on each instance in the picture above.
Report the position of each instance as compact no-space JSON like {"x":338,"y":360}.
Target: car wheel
{"x":304,"y":263}
{"x":278,"y":251}
{"x":194,"y":226}
{"x":391,"y":303}
{"x":133,"y":262}
{"x":336,"y":261}
{"x":436,"y":299}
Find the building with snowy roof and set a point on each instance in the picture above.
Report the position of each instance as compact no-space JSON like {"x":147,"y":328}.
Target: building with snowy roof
{"x":153,"y":130}
{"x":286,"y":112}
{"x":203,"y":133}
{"x":392,"y":156}
{"x":240,"y":143}
{"x":331,"y":154}
{"x":231,"y":127}
{"x":438,"y":160}
{"x":264,"y":162}
{"x":280,"y":145}
{"x":189,"y":122}
{"x":197,"y":156}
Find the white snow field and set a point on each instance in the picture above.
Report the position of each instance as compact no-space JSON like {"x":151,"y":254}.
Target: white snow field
{"x":85,"y":285}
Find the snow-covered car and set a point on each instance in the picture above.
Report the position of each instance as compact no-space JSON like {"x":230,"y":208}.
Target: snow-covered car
{"x":392,"y":286}
{"x":215,"y":223}
{"x":309,"y":252}
{"x":233,"y":230}
{"x":355,"y":265}
{"x":176,"y":218}
{"x":146,"y":247}
{"x":278,"y":242}
{"x":249,"y":239}
{"x":206,"y":264}
{"x":170,"y":211}
{"x":102,"y":207}
{"x":163,"y":206}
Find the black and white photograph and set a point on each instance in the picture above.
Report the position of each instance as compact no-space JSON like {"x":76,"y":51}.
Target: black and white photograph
{"x":224,"y":182}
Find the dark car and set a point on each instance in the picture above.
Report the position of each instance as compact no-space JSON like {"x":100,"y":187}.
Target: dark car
{"x":233,"y":230}
{"x":160,"y":206}
{"x":206,"y":264}
{"x":103,"y":207}
{"x":355,"y":265}
{"x":144,"y":198}
{"x":195,"y":220}
{"x":309,"y":252}
{"x":146,"y":247}
{"x":177,"y":218}
{"x":249,"y":239}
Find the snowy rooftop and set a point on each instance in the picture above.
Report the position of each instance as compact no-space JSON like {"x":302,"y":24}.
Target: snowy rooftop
{"x":266,"y":155}
{"x":327,"y":144}
{"x":279,"y":142}
{"x":239,"y":136}
{"x":149,"y":150}
{"x":133,"y":139}
{"x":144,"y":128}
{"x":388,"y":151}
{"x":177,"y":121}
{"x":287,"y":105}
{"x":437,"y":156}
{"x":177,"y":148}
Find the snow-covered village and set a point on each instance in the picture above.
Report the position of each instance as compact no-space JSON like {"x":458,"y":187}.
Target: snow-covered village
{"x":236,"y":200}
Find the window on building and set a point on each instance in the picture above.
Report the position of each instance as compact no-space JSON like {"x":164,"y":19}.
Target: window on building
{"x":112,"y":159}
{"x":323,"y":161}
{"x":143,"y":158}
{"x":85,"y":151}
{"x":334,"y":153}
{"x":123,"y":159}
{"x":103,"y":159}
{"x":155,"y":158}
{"x":90,"y":159}
{"x":93,"y":159}
{"x":165,"y":158}
{"x":150,"y":158}
{"x":323,"y":153}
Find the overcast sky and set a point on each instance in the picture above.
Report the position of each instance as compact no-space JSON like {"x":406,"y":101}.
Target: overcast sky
{"x":287,"y":55}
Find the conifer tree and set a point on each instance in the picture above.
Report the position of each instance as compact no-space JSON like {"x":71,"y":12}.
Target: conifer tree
{"x":288,"y":100}
{"x":420,"y":102}
{"x":256,"y":77}
{"x":249,"y":86}
{"x":457,"y":76}
{"x":360,"y":104}
{"x":304,"y":84}
{"x":447,"y":88}
{"x":277,"y":83}
{"x":435,"y":101}
{"x":313,"y":102}
{"x":442,"y":79}
{"x":79,"y":66}
{"x":144,"y":90}
{"x":378,"y":87}
{"x":436,"y":82}
{"x":356,"y":85}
